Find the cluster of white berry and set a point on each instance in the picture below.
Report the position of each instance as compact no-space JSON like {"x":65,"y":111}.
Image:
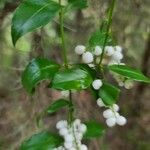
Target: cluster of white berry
{"x":87,"y":57}
{"x":112,"y":115}
{"x":72,"y":135}
{"x":114,"y":52}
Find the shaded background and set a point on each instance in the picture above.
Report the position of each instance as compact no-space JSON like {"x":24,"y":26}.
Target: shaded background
{"x":18,"y":111}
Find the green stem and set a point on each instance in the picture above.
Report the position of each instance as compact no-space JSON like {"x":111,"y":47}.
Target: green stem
{"x":71,"y":107}
{"x":107,"y":29}
{"x":64,"y":53}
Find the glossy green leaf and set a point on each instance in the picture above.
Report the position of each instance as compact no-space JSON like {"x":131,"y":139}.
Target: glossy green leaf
{"x":72,"y":79}
{"x":32,"y":14}
{"x":37,"y":70}
{"x":85,"y":67}
{"x":57,"y":105}
{"x":78,"y":3}
{"x":94,"y":130}
{"x":42,"y":141}
{"x":129,"y":73}
{"x":98,"y":38}
{"x":109,"y":93}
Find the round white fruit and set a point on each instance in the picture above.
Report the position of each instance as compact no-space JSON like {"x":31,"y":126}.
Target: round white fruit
{"x":97,"y":51}
{"x":115,"y":107}
{"x":82,"y":128}
{"x":61,"y":124}
{"x":63,"y":131}
{"x":121,"y":120}
{"x":118,"y":48}
{"x":100,"y":102}
{"x":117,"y":56}
{"x":108,"y":113}
{"x":87,"y":57}
{"x":80,"y":49}
{"x":109,"y":50}
{"x":111,"y":122}
{"x":83,"y":147}
{"x":97,"y":84}
{"x":68,"y":138}
{"x":68,"y":145}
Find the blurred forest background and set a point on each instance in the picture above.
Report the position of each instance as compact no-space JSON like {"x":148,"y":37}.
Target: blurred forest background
{"x":18,"y":110}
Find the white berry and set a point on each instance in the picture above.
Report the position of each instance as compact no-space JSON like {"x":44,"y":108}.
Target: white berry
{"x":68,"y":138}
{"x":100,"y":102}
{"x":68,"y":145}
{"x":77,"y":122}
{"x":108,"y":113}
{"x":91,"y":65}
{"x":118,"y":48}
{"x":78,"y":136}
{"x":82,"y":128}
{"x":121,"y":84}
{"x":121,"y":120}
{"x":87,"y":57}
{"x":97,"y":84}
{"x":128,"y":84}
{"x":115,"y":107}
{"x":63,"y":131}
{"x":97,"y":51}
{"x":111,"y":122}
{"x":61,"y":124}
{"x":80,"y":49}
{"x":109,"y":50}
{"x":117,"y":56}
{"x":72,"y":148}
{"x":83,"y":147}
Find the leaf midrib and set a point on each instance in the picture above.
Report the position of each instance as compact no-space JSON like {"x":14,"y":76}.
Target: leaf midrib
{"x":33,"y":16}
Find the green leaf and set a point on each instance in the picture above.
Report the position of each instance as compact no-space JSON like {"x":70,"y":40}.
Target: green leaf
{"x":57,"y":105}
{"x":109,"y":93}
{"x":129,"y":73}
{"x":98,"y":38}
{"x":37,"y":70}
{"x":32,"y":14}
{"x":94,"y":130}
{"x":72,"y":79}
{"x":80,"y":4}
{"x":42,"y":141}
{"x":85,"y":67}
